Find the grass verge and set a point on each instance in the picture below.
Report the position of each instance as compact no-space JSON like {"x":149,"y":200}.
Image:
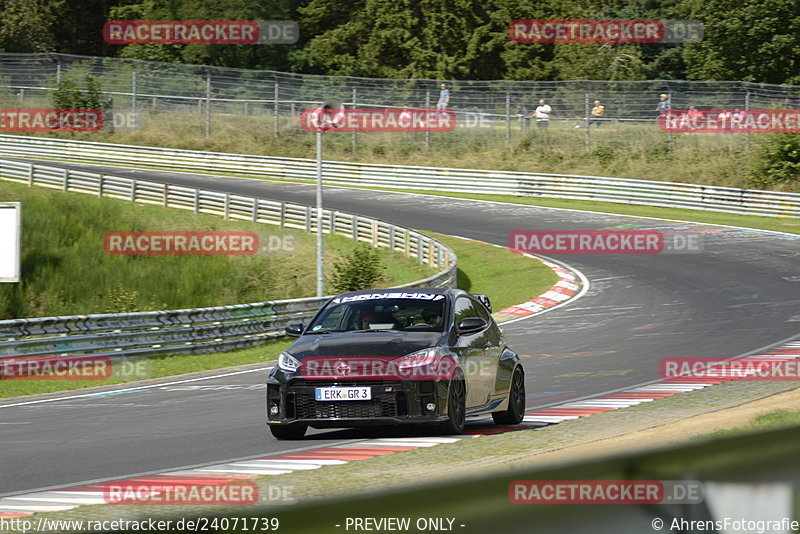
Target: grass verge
{"x":66,"y":270}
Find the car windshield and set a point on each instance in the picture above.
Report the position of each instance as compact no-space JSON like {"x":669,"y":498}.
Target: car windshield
{"x":424,"y":312}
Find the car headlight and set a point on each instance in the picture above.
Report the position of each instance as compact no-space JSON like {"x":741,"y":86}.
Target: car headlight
{"x":288,"y":363}
{"x":417,"y":359}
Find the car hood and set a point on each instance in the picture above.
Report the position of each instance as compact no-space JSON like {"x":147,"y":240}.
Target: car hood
{"x":361,"y":345}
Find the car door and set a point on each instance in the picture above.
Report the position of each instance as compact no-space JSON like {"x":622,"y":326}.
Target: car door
{"x":471,"y":348}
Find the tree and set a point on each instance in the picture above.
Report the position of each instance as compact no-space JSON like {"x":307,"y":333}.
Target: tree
{"x":749,"y":41}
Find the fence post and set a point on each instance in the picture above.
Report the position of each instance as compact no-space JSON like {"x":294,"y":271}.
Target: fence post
{"x":747,"y":113}
{"x":669,"y":130}
{"x":508,"y":118}
{"x":58,"y":71}
{"x":275,"y":109}
{"x":133,"y":98}
{"x":427,"y":127}
{"x":586,"y":118}
{"x":208,"y":103}
{"x":355,"y":141}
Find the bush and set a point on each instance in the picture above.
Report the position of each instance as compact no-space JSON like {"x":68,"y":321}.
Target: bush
{"x":362,"y":269}
{"x":778,"y":161}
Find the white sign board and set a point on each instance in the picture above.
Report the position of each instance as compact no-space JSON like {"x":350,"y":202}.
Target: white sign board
{"x":10,"y":241}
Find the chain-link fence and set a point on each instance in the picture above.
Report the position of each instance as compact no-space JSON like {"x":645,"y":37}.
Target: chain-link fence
{"x":494,"y":110}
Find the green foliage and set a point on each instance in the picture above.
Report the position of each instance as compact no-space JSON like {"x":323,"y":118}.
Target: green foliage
{"x":778,"y":161}
{"x":361,"y":269}
{"x":68,"y":95}
{"x":749,"y":41}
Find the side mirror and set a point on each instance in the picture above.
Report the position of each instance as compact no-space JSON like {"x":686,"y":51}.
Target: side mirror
{"x":471,"y":324}
{"x":484,"y":299}
{"x":294,"y":330}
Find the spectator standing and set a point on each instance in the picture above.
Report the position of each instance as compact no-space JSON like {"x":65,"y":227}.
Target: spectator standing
{"x":663,"y":105}
{"x":521,"y":113}
{"x":542,"y":114}
{"x":444,"y":97}
{"x":598,"y":114}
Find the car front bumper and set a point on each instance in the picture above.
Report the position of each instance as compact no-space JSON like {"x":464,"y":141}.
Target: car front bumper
{"x":392,"y":403}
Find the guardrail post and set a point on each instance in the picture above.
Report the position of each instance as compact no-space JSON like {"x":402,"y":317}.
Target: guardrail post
{"x":227,"y":206}
{"x":100,"y":181}
{"x":391,"y":238}
{"x":406,"y":244}
{"x":308,"y":219}
{"x":255,"y":210}
{"x":374,"y":232}
{"x":431,"y":253}
{"x":30,"y":175}
{"x":419,"y":248}
{"x":166,"y":195}
{"x":65,"y":172}
{"x":196,"y":201}
{"x":282,"y":216}
{"x":354,"y":227}
{"x":133,"y":190}
{"x":332,"y":222}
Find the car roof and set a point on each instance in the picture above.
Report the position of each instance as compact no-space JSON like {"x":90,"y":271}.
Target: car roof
{"x":430,"y":290}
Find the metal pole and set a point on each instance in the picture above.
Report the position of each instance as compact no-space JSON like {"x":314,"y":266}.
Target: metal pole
{"x":58,"y":71}
{"x":747,"y":113}
{"x":669,"y":130}
{"x":355,"y":140}
{"x":427,"y":127}
{"x":586,"y":114}
{"x":275,"y":109}
{"x":508,"y":118}
{"x":133,"y":98}
{"x":320,"y":275}
{"x":208,"y":103}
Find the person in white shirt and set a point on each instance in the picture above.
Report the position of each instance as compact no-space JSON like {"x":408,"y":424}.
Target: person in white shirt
{"x":542,"y":114}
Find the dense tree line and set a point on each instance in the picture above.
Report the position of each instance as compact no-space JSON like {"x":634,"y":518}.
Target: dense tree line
{"x":751,"y":40}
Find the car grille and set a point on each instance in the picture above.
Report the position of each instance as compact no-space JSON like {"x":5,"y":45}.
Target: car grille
{"x":383,"y":404}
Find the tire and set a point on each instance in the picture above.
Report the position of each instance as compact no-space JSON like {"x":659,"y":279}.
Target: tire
{"x":516,"y":401}
{"x":288,"y":432}
{"x":456,"y":408}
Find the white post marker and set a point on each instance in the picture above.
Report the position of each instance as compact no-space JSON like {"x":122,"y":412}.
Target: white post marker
{"x":328,"y":116}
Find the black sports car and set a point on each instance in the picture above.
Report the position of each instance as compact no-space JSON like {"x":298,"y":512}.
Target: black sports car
{"x":396,"y":356}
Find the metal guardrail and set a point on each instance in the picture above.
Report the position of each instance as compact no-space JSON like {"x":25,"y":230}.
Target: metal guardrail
{"x":204,"y":329}
{"x":575,"y":187}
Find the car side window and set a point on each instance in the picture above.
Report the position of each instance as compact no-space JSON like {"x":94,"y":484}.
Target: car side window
{"x":464,"y":308}
{"x":483,"y":313}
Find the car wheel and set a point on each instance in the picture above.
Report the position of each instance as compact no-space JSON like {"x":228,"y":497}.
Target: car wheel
{"x":456,"y":407}
{"x":288,"y":432}
{"x":516,"y":401}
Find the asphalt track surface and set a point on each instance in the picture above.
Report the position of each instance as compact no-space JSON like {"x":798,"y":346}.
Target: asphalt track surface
{"x":742,"y":293}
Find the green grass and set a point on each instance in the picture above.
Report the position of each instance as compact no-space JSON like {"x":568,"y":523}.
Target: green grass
{"x":65,"y":269}
{"x":506,"y":277}
{"x":160,"y":366}
{"x":768,"y":421}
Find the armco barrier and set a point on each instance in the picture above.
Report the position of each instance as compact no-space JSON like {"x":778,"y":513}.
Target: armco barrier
{"x":204,"y":329}
{"x":577,"y":187}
